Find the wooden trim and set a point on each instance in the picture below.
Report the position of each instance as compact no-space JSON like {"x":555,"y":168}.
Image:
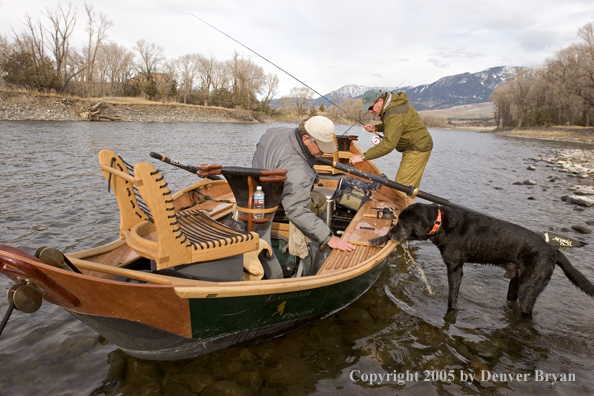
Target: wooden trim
{"x":118,"y":173}
{"x":273,"y":286}
{"x":99,"y":250}
{"x":247,"y":210}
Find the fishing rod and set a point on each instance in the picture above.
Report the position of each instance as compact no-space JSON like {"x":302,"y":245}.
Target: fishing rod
{"x":411,"y":191}
{"x":358,"y":120}
{"x":551,"y":238}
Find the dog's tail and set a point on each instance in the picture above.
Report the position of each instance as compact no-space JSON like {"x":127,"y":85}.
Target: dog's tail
{"x":575,"y":276}
{"x":379,"y":240}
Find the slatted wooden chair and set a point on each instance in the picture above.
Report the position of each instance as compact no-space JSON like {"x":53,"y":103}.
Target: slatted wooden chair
{"x":184,"y":237}
{"x":119,"y":175}
{"x":342,"y":153}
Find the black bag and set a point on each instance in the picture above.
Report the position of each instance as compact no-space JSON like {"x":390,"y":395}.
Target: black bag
{"x":352,"y":193}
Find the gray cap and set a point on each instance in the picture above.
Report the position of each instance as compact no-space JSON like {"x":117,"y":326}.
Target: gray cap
{"x":369,"y":97}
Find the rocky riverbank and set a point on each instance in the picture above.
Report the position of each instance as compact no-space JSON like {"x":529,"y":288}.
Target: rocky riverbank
{"x":19,"y":106}
{"x":576,"y":167}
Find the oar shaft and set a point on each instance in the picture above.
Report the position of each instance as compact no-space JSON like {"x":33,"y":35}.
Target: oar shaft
{"x":408,"y":190}
{"x":171,"y":161}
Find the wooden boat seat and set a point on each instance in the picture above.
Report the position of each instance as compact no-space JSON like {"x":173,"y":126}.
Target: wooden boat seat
{"x":337,"y":156}
{"x":168,"y":237}
{"x":183,"y":237}
{"x":119,"y":175}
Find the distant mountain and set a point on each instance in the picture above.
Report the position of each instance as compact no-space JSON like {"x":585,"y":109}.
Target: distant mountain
{"x":457,"y":90}
{"x":461,"y":89}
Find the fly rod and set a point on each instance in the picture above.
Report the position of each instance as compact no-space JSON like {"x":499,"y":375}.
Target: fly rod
{"x":280,"y":68}
{"x":550,"y":237}
{"x":408,"y":190}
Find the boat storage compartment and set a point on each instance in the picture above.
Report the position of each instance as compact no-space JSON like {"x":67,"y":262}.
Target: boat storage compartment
{"x":227,"y":269}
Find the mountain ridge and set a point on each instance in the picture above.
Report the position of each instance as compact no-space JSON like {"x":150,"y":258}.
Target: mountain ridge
{"x":456,"y":90}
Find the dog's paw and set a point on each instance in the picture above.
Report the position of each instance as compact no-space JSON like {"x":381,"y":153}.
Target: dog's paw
{"x":379,"y":240}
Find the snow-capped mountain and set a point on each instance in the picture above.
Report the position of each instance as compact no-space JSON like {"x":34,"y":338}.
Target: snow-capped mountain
{"x":460,"y":89}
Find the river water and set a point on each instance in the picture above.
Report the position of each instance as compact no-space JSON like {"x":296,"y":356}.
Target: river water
{"x":54,"y":194}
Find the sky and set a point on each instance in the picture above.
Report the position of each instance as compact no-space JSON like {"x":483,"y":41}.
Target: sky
{"x":329,"y":44}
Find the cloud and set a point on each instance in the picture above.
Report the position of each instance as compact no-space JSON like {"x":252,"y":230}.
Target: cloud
{"x":376,"y":75}
{"x":537,"y":41}
{"x":458,"y":52}
{"x":438,"y":63}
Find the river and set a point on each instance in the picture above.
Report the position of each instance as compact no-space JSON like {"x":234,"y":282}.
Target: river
{"x":54,"y":194}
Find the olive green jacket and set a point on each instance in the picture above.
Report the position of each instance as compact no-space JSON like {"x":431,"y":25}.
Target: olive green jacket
{"x":402,"y":126}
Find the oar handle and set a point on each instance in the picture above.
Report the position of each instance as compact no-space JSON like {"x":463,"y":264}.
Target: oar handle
{"x":408,"y":190}
{"x":171,"y":161}
{"x":204,"y":171}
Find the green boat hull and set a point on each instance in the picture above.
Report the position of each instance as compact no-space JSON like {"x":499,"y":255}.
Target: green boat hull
{"x":219,"y":323}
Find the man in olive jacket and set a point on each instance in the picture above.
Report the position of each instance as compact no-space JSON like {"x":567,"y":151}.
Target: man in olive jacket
{"x":404,"y":131}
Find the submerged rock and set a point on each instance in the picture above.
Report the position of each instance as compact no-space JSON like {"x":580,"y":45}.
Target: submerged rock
{"x":583,"y":190}
{"x":581,"y":229}
{"x":579,"y":200}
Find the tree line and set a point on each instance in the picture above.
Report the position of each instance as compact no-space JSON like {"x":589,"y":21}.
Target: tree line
{"x":559,"y":93}
{"x":42,"y":57}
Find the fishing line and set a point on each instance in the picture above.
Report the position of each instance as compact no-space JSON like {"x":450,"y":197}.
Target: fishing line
{"x":281,"y":69}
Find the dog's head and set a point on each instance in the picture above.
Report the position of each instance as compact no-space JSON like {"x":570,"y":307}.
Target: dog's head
{"x":414,"y":223}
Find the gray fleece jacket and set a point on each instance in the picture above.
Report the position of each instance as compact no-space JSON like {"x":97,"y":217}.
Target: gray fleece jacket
{"x":280,"y":148}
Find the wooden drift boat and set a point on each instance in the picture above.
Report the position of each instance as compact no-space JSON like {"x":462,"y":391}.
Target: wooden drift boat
{"x":182,"y":280}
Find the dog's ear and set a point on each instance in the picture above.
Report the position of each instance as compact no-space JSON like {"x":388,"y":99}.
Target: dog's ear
{"x":424,"y":218}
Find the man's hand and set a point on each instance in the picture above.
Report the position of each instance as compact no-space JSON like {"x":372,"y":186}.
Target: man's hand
{"x":369,"y":128}
{"x":340,"y":244}
{"x":355,"y":159}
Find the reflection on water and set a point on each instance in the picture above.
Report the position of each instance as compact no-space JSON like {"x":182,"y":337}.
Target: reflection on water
{"x":396,"y":339}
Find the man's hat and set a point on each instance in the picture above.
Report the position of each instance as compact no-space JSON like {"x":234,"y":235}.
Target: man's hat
{"x":321,"y":129}
{"x":369,"y":97}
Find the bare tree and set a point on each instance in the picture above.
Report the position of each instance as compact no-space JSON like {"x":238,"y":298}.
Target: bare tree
{"x":207,"y":74}
{"x":520,"y":86}
{"x":63,"y":23}
{"x":572,"y":70}
{"x":31,"y":41}
{"x":247,"y":80}
{"x":97,"y":30}
{"x":151,"y":58}
{"x":502,"y":98}
{"x":352,"y":108}
{"x":302,"y":99}
{"x":119,"y":64}
{"x":271,"y":89}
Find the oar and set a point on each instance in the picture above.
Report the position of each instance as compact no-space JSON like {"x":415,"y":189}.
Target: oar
{"x":552,"y":239}
{"x":409,"y":190}
{"x":208,"y":171}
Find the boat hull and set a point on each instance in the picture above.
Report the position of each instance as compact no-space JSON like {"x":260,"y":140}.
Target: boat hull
{"x":219,"y":323}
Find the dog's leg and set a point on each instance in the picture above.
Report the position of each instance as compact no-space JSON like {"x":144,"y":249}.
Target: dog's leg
{"x":512,"y":291}
{"x":533,"y":282}
{"x":455,"y":273}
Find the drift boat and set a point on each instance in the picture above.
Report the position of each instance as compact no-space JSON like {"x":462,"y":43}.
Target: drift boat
{"x":184,"y":279}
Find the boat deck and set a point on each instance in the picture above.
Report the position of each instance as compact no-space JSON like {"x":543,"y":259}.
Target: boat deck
{"x":366,"y":225}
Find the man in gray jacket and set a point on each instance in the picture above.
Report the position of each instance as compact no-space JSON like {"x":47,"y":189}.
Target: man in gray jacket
{"x":296,"y":150}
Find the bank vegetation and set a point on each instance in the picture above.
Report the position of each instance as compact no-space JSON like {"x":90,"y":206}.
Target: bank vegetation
{"x":42,"y":57}
{"x":559,"y":93}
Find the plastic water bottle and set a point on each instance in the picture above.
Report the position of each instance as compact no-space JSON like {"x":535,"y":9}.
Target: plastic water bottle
{"x":259,"y":202}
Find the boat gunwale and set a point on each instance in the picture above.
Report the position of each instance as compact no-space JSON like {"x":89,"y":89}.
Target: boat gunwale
{"x":187,"y":289}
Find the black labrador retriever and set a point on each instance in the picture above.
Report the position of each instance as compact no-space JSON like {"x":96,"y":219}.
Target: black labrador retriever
{"x":470,"y":237}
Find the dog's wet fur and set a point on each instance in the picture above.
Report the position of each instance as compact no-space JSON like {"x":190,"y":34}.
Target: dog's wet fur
{"x":470,"y":237}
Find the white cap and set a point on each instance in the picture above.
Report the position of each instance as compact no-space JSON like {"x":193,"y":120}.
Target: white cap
{"x":321,"y":129}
